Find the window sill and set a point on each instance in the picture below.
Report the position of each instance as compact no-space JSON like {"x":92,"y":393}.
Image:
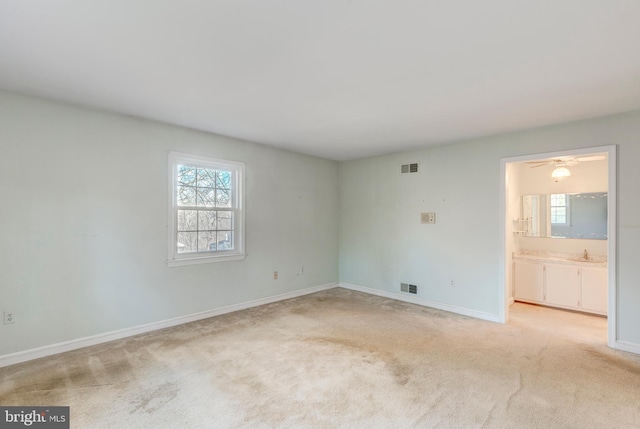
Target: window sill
{"x":205,"y":259}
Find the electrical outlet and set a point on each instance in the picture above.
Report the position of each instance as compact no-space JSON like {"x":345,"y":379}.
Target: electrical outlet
{"x":453,"y":283}
{"x":428,"y":217}
{"x":9,"y":317}
{"x":275,"y":275}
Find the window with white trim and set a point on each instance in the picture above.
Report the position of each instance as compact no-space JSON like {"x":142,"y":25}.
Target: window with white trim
{"x":559,"y":209}
{"x":206,"y":217}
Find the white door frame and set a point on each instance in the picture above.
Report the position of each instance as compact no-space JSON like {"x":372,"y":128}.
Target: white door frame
{"x":612,"y":231}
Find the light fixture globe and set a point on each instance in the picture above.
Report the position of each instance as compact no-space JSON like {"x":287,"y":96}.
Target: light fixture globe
{"x":560,"y":173}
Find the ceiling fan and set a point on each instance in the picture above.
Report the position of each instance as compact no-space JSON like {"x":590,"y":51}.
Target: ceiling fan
{"x":561,"y":163}
{"x":566,"y":161}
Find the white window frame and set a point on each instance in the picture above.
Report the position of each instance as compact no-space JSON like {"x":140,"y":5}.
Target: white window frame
{"x":237,"y":169}
{"x":567,"y":212}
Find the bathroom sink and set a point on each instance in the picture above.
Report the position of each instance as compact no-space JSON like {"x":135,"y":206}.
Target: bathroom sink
{"x":582,"y":260}
{"x":560,"y":258}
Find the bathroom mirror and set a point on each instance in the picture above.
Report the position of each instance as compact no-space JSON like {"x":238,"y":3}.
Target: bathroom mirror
{"x":564,"y":216}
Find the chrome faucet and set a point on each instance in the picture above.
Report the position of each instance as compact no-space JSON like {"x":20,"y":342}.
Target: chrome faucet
{"x":585,"y":255}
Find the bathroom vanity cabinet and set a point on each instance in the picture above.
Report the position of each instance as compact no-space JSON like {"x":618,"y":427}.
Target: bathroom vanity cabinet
{"x":528,"y":281}
{"x":561,"y":285}
{"x":594,"y":290}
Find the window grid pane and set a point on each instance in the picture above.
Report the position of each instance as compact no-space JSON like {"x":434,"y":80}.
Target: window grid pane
{"x":558,"y":215}
{"x":187,"y":242}
{"x":558,"y":208}
{"x":200,"y":229}
{"x":204,"y":187}
{"x":187,"y":220}
{"x":207,"y":220}
{"x":203,"y":230}
{"x":205,"y":210}
{"x":558,"y":199}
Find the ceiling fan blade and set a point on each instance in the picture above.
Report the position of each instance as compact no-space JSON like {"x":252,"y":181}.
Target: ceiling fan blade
{"x":540,"y":165}
{"x":591,"y":158}
{"x":539,"y":162}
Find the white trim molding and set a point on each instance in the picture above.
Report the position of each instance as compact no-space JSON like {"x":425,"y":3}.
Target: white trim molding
{"x":53,"y":349}
{"x":27,"y":355}
{"x":612,"y":235}
{"x":236,"y":174}
{"x":627,"y":347}
{"x":424,"y":302}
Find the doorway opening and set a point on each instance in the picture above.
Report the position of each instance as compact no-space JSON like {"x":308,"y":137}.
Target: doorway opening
{"x":559,"y":232}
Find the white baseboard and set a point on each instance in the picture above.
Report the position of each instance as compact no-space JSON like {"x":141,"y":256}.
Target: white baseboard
{"x":425,"y":302}
{"x":23,"y":356}
{"x":27,"y":355}
{"x":627,"y":347}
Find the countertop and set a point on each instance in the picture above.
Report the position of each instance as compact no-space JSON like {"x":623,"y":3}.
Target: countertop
{"x":594,"y":261}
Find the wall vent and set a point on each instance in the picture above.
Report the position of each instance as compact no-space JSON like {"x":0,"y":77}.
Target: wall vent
{"x":406,"y":287}
{"x":409,"y":168}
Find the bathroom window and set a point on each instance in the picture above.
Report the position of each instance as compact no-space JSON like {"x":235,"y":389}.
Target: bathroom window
{"x":206,"y":217}
{"x":559,"y":209}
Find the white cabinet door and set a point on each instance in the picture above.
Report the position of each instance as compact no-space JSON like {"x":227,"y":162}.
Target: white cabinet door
{"x":528,"y":281}
{"x":594,"y":290}
{"x":562,"y":285}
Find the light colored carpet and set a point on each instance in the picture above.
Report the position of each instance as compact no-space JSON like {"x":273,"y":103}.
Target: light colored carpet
{"x":345,"y":359}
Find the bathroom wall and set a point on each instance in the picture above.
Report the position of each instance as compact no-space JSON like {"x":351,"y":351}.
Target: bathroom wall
{"x":591,"y":176}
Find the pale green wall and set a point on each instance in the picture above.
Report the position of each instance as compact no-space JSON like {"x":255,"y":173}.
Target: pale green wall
{"x":382,"y":242}
{"x":83,"y":230}
{"x":82,"y":255}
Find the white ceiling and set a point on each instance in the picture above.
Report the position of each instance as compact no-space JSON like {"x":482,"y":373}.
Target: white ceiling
{"x":338,"y":79}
